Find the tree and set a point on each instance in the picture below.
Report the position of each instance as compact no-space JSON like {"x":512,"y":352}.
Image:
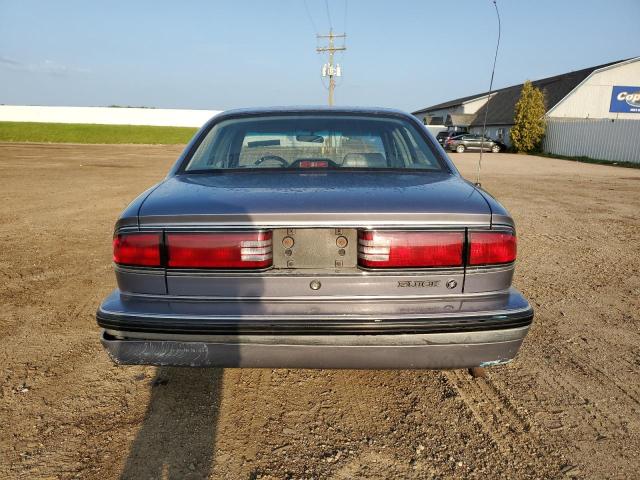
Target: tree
{"x":529,"y":125}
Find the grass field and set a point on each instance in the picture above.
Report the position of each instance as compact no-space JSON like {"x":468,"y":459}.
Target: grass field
{"x":88,"y":133}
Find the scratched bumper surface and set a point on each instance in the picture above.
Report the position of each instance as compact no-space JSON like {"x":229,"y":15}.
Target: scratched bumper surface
{"x":427,"y":351}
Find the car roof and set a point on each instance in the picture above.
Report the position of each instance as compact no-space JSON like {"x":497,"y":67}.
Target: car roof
{"x":316,"y":109}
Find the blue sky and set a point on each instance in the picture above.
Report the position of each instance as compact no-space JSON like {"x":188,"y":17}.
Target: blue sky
{"x":240,"y":53}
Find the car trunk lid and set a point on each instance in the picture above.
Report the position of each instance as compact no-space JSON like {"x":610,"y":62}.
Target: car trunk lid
{"x":333,"y":199}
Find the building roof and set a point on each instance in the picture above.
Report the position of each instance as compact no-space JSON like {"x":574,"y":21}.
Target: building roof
{"x":501,"y":105}
{"x":437,"y":120}
{"x":450,"y":103}
{"x":460,"y":119}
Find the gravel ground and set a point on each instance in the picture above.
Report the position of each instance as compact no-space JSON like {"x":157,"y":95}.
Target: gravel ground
{"x":567,"y":407}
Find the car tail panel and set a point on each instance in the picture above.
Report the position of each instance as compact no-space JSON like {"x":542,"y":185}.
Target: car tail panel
{"x":319,"y":263}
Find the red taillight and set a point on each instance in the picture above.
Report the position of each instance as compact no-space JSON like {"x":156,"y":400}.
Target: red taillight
{"x":385,"y":249}
{"x":491,"y":247}
{"x":137,"y":249}
{"x":219,"y":250}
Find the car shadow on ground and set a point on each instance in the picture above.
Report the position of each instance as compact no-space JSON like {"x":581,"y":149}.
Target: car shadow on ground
{"x":184,"y":404}
{"x":177,"y":439}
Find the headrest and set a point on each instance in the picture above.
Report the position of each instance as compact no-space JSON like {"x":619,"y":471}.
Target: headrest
{"x":364,"y":160}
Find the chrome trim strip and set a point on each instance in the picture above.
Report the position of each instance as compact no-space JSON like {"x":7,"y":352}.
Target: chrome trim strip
{"x":480,"y":336}
{"x":318,"y":220}
{"x":308,"y":298}
{"x":357,"y":272}
{"x":138,"y":270}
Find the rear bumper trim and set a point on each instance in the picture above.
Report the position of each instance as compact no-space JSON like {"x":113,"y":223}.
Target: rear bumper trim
{"x":444,"y":324}
{"x":436,"y":334}
{"x":427,"y":351}
{"x":315,"y":317}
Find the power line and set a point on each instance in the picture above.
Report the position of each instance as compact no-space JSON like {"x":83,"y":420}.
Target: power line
{"x":326,"y":4}
{"x":313,"y":24}
{"x":346,"y":3}
{"x":486,"y":110}
{"x":315,"y":30}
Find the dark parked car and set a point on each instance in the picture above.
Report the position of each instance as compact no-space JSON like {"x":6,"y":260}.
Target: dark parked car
{"x":321,"y":238}
{"x":471,"y":141}
{"x":442,"y":137}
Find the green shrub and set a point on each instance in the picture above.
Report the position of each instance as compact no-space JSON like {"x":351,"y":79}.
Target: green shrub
{"x":529,"y":124}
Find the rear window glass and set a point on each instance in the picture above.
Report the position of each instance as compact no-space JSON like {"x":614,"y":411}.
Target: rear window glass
{"x":297,"y":142}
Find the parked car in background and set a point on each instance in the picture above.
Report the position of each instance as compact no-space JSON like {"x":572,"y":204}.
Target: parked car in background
{"x":503,"y":146}
{"x":472,"y":141}
{"x":314,"y":238}
{"x":442,"y":137}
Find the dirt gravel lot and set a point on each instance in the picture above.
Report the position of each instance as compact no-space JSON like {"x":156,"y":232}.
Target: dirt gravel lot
{"x":569,"y":406}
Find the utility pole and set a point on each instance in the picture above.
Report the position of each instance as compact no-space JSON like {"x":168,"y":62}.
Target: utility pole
{"x":329,"y":69}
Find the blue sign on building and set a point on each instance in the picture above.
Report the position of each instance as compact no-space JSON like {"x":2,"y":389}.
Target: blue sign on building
{"x":625,"y":99}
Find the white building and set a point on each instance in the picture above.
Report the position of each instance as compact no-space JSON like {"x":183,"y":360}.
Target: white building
{"x":595,"y":96}
{"x":600,"y":117}
{"x":106,"y":115}
{"x":593,"y":112}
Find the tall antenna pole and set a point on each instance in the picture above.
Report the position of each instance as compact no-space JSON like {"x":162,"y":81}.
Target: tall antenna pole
{"x":330,"y":69}
{"x":486,"y":110}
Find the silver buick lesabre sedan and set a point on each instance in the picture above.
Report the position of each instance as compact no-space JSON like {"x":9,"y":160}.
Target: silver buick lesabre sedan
{"x":314,"y":238}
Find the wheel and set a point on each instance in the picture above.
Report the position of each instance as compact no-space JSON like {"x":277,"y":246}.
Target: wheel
{"x":460,"y":149}
{"x":495,"y":148}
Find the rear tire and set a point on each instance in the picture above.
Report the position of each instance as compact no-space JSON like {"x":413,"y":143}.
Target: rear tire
{"x":495,"y":149}
{"x":460,"y":148}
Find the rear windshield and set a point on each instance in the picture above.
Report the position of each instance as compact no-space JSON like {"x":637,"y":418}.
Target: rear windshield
{"x":318,"y":142}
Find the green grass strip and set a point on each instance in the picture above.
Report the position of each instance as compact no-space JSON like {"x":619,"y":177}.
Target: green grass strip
{"x":90,"y":133}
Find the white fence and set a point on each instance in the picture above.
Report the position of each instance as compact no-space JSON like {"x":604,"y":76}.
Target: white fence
{"x":106,"y":115}
{"x":601,"y":139}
